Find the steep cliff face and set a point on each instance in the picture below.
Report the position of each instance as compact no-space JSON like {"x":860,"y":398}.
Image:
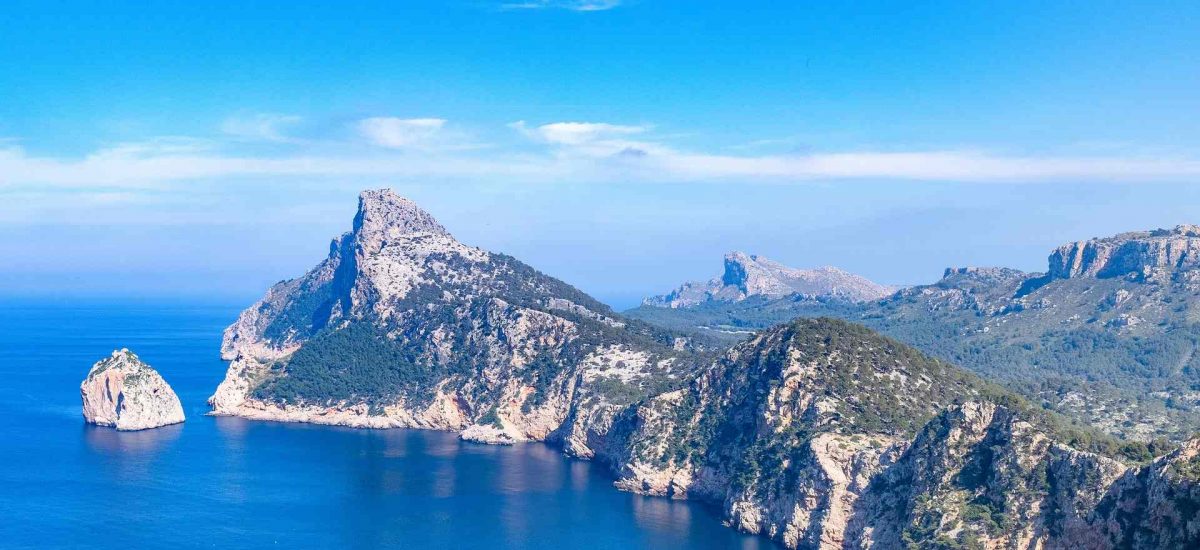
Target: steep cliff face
{"x":403,"y":326}
{"x":1157,"y":506}
{"x":123,"y":392}
{"x":978,"y":475}
{"x":748,"y":275}
{"x":1145,"y":255}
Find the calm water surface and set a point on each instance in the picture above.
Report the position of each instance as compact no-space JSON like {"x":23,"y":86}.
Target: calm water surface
{"x":231,"y":483}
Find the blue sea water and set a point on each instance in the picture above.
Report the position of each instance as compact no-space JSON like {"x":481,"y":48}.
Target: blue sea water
{"x":231,"y":483}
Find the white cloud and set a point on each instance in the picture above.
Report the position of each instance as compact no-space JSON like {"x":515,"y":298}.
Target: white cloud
{"x":585,"y":152}
{"x":576,"y":133}
{"x":401,"y":133}
{"x":260,"y":127}
{"x":128,"y":167}
{"x":573,"y":5}
{"x":428,"y":135}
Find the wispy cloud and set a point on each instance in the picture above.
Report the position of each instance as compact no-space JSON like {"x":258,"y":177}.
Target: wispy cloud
{"x":594,"y":139}
{"x":575,"y":133}
{"x":585,"y":152}
{"x":573,"y":5}
{"x":260,"y":127}
{"x":417,"y":134}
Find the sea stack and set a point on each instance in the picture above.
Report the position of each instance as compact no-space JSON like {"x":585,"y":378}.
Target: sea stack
{"x":123,"y":392}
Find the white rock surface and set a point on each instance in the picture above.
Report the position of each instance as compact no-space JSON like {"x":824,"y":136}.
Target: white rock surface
{"x":123,"y":392}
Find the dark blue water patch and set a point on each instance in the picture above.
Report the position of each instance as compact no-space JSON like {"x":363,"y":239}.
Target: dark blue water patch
{"x":227,"y":482}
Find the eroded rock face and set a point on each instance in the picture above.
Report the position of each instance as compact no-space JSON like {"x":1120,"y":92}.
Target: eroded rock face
{"x":123,"y":392}
{"x":749,"y":275}
{"x":1143,"y":255}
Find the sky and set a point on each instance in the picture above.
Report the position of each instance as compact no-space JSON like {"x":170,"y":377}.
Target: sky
{"x":179,"y":150}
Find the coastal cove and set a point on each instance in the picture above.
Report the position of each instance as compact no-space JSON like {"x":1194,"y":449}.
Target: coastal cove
{"x":225,"y":482}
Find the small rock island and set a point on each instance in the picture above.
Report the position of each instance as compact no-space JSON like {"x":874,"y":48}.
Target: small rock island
{"x":123,"y":392}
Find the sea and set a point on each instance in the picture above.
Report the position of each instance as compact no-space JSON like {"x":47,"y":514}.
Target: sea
{"x":231,"y":483}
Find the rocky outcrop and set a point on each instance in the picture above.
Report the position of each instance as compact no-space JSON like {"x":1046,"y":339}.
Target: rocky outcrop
{"x":980,"y":475}
{"x":404,"y":326}
{"x":1157,"y":506}
{"x":123,"y":392}
{"x":749,"y":275}
{"x":1141,"y":255}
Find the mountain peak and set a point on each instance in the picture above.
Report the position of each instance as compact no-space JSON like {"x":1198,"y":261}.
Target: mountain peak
{"x":747,"y":275}
{"x":384,"y":215}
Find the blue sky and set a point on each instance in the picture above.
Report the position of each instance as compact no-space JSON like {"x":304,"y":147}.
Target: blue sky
{"x":623,"y":146}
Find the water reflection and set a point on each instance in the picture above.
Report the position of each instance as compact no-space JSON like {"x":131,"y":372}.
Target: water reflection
{"x":110,"y":441}
{"x":129,"y":456}
{"x":661,"y":515}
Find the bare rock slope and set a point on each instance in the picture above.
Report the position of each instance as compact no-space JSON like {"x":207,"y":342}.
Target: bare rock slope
{"x":123,"y":392}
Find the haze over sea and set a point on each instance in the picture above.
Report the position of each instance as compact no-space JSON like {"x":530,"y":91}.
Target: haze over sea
{"x":227,"y":482}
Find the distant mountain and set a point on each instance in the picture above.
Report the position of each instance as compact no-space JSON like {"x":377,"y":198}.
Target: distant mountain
{"x":1108,"y":334}
{"x":749,"y":275}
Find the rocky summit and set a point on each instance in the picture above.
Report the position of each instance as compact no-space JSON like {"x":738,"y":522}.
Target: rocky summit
{"x":404,"y":326}
{"x":748,"y":275}
{"x":123,"y":392}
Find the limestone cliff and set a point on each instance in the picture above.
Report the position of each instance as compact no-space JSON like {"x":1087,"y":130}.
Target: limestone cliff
{"x":750,"y":275}
{"x":123,"y":392}
{"x":1145,"y":255}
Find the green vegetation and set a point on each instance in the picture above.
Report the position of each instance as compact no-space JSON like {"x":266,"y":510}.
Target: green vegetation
{"x":355,"y":363}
